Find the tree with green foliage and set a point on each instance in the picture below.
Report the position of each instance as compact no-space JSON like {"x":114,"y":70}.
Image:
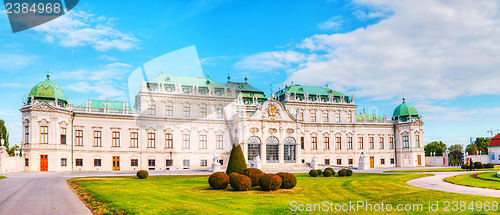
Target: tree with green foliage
{"x":4,"y":134}
{"x":471,"y":149}
{"x":237,"y":161}
{"x":482,"y":144}
{"x":435,"y":146}
{"x":455,"y":154}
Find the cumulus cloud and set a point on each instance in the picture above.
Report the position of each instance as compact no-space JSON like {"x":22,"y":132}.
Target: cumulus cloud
{"x":80,"y":29}
{"x":270,"y":61}
{"x":334,"y":23}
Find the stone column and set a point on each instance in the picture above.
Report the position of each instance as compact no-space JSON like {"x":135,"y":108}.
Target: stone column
{"x":3,"y":158}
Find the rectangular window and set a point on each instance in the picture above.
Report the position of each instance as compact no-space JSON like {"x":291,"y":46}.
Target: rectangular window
{"x":219,"y":113}
{"x":381,"y":142}
{"x":134,"y":162}
{"x":169,"y":111}
{"x":302,"y":142}
{"x":97,"y":138}
{"x":349,"y":117}
{"x":79,"y":137}
{"x":169,"y":140}
{"x":44,"y":134}
{"x":64,"y":161}
{"x":350,"y":161}
{"x":116,"y":139}
{"x":151,"y":140}
{"x":338,"y":142}
{"x":339,"y":161}
{"x":313,"y":117}
{"x":337,"y":117}
{"x":152,"y":110}
{"x":186,"y":111}
{"x":63,"y":135}
{"x":151,"y":162}
{"x":203,"y":141}
{"x":392,"y":160}
{"x":326,"y":141}
{"x":26,"y":134}
{"x":97,"y":162}
{"x":301,"y":116}
{"x":417,"y":141}
{"x":169,"y":162}
{"x":203,"y":112}
{"x":314,"y":142}
{"x":325,"y":117}
{"x":220,"y":143}
{"x":79,"y":162}
{"x":327,"y":161}
{"x":203,"y":162}
{"x":361,"y":144}
{"x":349,"y":142}
{"x":26,"y":162}
{"x":185,"y":163}
{"x":185,"y":141}
{"x":134,"y":139}
{"x":391,"y":142}
{"x":382,"y":161}
{"x":406,"y":142}
{"x":371,"y":142}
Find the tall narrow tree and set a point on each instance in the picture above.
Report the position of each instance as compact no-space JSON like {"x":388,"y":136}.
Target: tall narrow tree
{"x":237,"y":161}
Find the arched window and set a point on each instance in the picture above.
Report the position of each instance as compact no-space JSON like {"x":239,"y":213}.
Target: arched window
{"x":253,"y":147}
{"x":272,"y":149}
{"x":289,"y":149}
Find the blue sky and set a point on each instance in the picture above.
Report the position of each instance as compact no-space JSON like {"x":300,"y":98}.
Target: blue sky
{"x":442,"y":55}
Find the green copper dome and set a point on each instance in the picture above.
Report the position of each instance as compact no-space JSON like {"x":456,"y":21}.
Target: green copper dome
{"x":48,"y":91}
{"x":404,"y":110}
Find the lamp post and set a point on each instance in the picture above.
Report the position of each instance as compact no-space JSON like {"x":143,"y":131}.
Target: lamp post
{"x":171,"y":160}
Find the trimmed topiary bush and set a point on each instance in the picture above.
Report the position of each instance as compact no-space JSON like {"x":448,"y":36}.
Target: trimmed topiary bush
{"x":288,"y":180}
{"x":327,"y":173}
{"x":348,"y":172}
{"x":218,"y":180}
{"x":342,"y":172}
{"x":478,"y":165}
{"x":331,"y":169}
{"x":464,"y":166}
{"x":142,"y":174}
{"x":237,"y":161}
{"x":239,"y":182}
{"x":313,"y":173}
{"x":254,"y":174}
{"x":489,"y":166}
{"x":319,"y":172}
{"x":270,"y":182}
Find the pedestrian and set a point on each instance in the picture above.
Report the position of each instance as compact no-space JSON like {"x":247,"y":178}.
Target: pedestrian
{"x":467,"y":164}
{"x":472,"y":165}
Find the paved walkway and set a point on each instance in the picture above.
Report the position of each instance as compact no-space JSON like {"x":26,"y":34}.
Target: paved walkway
{"x":436,"y":182}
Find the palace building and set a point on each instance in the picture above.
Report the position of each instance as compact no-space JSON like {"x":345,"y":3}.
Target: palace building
{"x":178,"y":122}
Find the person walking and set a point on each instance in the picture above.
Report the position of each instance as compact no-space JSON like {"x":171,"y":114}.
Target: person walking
{"x":467,"y":164}
{"x":471,"y":163}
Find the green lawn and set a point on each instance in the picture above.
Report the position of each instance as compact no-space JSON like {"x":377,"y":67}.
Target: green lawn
{"x":467,"y":180}
{"x":2,"y":177}
{"x":192,"y":195}
{"x":453,"y":169}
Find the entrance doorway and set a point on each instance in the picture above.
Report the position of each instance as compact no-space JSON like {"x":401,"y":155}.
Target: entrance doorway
{"x":44,"y":163}
{"x":116,"y":163}
{"x":372,"y":162}
{"x":419,"y":160}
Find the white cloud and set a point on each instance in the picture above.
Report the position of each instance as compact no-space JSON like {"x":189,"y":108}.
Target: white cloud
{"x":334,"y":23}
{"x":13,"y":62}
{"x":107,"y":58}
{"x":270,"y":61}
{"x":79,"y":29}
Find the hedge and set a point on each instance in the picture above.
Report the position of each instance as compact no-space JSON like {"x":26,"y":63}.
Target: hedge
{"x":270,"y":182}
{"x":288,"y":180}
{"x":254,"y":174}
{"x":218,"y":180}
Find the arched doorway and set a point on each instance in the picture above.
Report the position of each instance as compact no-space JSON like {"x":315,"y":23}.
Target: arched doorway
{"x":253,"y":147}
{"x":272,"y":149}
{"x":289,"y":150}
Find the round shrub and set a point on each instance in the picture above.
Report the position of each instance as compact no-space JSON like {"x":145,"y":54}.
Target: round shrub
{"x":218,"y":180}
{"x":327,"y":173}
{"x":331,"y":169}
{"x":239,"y":182}
{"x":348,"y":172}
{"x":489,"y":166}
{"x":313,"y":173}
{"x":254,"y":174}
{"x":270,"y":182}
{"x":288,"y":180}
{"x":464,"y":166}
{"x":342,"y":172}
{"x":142,"y":174}
{"x":478,"y":165}
{"x":319,"y":172}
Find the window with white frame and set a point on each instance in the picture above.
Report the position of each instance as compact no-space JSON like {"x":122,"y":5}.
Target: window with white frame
{"x":391,"y":142}
{"x":185,"y":141}
{"x":219,"y":141}
{"x":361,"y":143}
{"x":417,"y":141}
{"x":337,"y":117}
{"x":349,"y":117}
{"x":169,"y":140}
{"x":186,"y":111}
{"x":349,"y":142}
{"x":203,"y":162}
{"x":203,"y":112}
{"x":326,"y":142}
{"x":44,"y":134}
{"x":26,"y":134}
{"x":338,"y":142}
{"x":371,"y":141}
{"x":169,"y":110}
{"x":406,"y":141}
{"x":63,"y":135}
{"x":325,"y":117}
{"x":185,"y":163}
{"x":219,"y":113}
{"x":79,"y":137}
{"x":381,"y":142}
{"x":151,"y":140}
{"x":116,"y":139}
{"x":152,"y":110}
{"x":314,"y":142}
{"x":97,"y":138}
{"x":134,"y":139}
{"x":203,"y":141}
{"x":313,"y":117}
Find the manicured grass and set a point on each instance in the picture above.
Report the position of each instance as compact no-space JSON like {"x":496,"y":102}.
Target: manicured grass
{"x":453,"y":169}
{"x":467,"y":180}
{"x":2,"y":177}
{"x":192,"y":194}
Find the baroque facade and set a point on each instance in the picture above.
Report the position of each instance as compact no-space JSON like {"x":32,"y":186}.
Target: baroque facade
{"x":180,"y":122}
